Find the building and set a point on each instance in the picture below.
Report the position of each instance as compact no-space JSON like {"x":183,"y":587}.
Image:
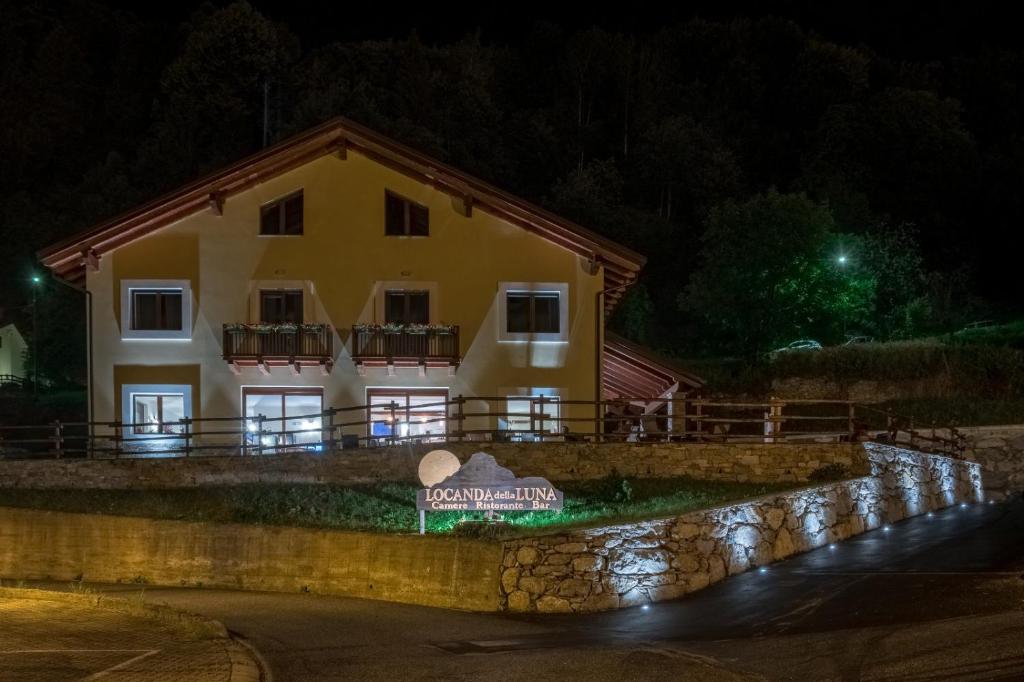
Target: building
{"x":12,"y":355}
{"x":336,"y":269}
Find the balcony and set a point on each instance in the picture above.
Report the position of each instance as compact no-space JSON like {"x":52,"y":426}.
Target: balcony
{"x":392,"y":346}
{"x":279,"y":345}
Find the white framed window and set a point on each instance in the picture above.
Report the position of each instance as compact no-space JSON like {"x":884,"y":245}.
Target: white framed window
{"x":155,"y":408}
{"x":537,"y":410}
{"x":533,"y":312}
{"x":414,"y":413}
{"x":159,"y":309}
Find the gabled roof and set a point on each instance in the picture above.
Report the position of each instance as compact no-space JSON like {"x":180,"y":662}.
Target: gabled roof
{"x":69,"y":257}
{"x":632,"y":371}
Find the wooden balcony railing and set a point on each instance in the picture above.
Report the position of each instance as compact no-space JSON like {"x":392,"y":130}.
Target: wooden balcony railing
{"x":277,"y":345}
{"x":430,"y":346}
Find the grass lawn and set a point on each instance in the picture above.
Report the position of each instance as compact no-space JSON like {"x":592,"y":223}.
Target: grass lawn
{"x":391,"y":507}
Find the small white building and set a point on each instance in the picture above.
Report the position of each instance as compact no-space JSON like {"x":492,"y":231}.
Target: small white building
{"x":12,"y":355}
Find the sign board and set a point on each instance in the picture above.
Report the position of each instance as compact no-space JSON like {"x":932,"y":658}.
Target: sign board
{"x":481,"y":484}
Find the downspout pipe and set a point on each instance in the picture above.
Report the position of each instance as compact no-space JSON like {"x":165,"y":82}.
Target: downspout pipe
{"x":88,"y":351}
{"x":599,"y":354}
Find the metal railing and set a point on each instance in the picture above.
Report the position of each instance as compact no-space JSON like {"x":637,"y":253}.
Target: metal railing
{"x":11,"y":380}
{"x":483,"y":419}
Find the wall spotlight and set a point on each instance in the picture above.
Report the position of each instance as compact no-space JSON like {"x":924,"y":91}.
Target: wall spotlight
{"x":886,"y":528}
{"x":645,"y":607}
{"x":763,"y":569}
{"x":832,"y":546}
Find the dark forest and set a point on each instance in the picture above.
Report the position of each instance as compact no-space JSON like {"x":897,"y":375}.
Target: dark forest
{"x":864,"y":180}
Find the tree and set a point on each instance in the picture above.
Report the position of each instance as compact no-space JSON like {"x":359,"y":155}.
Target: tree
{"x":210,"y":111}
{"x":771,"y":272}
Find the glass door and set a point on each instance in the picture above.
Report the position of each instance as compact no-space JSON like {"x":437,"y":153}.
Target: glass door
{"x":291,"y":417}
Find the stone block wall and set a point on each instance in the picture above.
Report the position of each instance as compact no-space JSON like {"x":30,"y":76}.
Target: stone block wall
{"x":556,"y":461}
{"x":429,"y":570}
{"x":1000,"y":452}
{"x":630,"y":564}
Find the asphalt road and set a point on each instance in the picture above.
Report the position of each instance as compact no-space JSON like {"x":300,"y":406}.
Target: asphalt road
{"x":934,"y":598}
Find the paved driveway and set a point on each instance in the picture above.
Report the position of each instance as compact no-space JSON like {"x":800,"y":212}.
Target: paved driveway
{"x":50,"y":641}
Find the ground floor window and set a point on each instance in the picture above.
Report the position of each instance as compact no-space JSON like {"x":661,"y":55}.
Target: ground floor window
{"x":419,"y":414}
{"x":291,"y":416}
{"x":148,"y":409}
{"x":531,"y":415}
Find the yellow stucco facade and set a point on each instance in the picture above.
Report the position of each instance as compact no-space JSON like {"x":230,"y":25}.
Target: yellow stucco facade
{"x":343,"y":262}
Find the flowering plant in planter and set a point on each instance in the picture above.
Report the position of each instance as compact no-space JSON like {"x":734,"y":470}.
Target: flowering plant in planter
{"x":311,"y":328}
{"x":392,"y":327}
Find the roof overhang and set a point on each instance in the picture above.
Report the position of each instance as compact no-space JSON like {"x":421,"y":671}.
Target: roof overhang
{"x":69,"y":258}
{"x":632,"y":371}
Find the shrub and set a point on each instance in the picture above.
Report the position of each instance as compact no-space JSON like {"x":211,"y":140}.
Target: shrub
{"x":830,"y":472}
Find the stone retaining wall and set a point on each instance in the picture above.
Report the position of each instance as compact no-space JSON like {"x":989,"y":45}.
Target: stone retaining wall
{"x":428,"y":570}
{"x":1000,"y":451}
{"x":629,"y":564}
{"x":753,"y":462}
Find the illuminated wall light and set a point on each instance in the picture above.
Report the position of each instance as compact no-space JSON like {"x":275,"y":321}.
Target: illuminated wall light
{"x":886,"y":528}
{"x":763,"y":569}
{"x":963,"y":505}
{"x":832,"y":546}
{"x":645,"y":607}
{"x":931,"y":514}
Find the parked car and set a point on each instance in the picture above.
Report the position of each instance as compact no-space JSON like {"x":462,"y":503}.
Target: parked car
{"x":980,"y":324}
{"x":855,"y":340}
{"x":799,"y":345}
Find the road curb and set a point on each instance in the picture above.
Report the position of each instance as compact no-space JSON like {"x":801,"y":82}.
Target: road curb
{"x":263,"y":672}
{"x":247,"y":665}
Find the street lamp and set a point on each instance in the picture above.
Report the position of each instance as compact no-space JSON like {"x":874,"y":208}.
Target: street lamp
{"x":36,"y":281}
{"x":841,"y":259}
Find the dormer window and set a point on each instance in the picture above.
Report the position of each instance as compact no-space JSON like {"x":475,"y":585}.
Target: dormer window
{"x":282,"y":217}
{"x":405,"y":218}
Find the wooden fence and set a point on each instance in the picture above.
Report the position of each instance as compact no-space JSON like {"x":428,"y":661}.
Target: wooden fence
{"x":483,"y":419}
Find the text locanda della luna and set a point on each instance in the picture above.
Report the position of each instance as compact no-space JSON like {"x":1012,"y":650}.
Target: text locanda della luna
{"x":486,"y":498}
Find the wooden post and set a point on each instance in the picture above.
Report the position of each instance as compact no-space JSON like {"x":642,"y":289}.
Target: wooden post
{"x":851,"y":420}
{"x":259,"y":434}
{"x":58,"y":438}
{"x":330,"y":429}
{"x":773,"y":422}
{"x":460,"y":416}
{"x":394,"y":427}
{"x":186,"y":424}
{"x":423,"y":522}
{"x":700,"y":422}
{"x":245,"y":436}
{"x":912,"y":434}
{"x":117,"y":439}
{"x":539,"y":433}
{"x":682,"y":418}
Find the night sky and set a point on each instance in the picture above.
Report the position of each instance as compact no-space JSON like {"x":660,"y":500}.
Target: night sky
{"x":901,"y":118}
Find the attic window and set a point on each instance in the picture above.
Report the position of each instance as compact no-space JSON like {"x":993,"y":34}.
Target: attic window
{"x":282,"y":217}
{"x":405,"y":218}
